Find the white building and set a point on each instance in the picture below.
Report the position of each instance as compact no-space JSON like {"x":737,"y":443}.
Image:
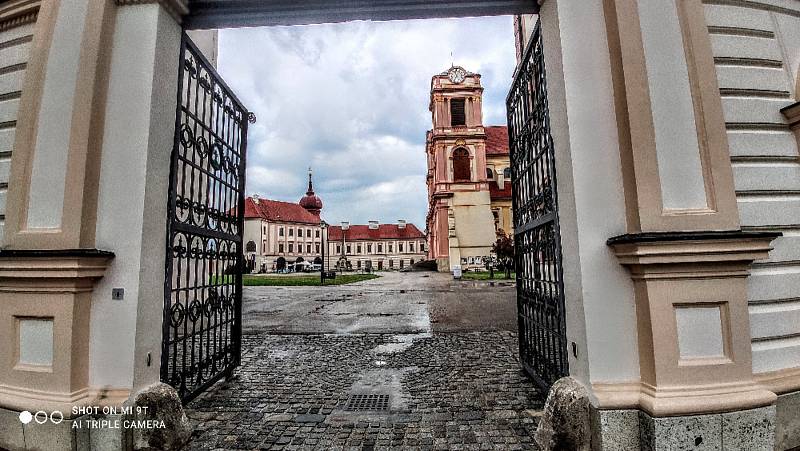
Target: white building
{"x":376,"y":246}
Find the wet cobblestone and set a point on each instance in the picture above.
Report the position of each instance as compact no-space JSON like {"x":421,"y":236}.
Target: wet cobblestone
{"x":447,"y":391}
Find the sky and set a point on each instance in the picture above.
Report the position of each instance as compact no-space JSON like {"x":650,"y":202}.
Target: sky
{"x":351,"y":101}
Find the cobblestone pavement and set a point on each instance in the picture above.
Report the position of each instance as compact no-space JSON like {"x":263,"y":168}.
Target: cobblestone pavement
{"x":461,"y":390}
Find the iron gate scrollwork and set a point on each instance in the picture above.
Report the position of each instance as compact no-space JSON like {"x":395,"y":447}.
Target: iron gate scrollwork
{"x":205,"y":220}
{"x":537,"y":240}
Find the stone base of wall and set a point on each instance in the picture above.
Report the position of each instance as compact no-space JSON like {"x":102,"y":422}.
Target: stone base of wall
{"x":753,"y":430}
{"x":153,"y":419}
{"x":787,"y":421}
{"x":81,"y":433}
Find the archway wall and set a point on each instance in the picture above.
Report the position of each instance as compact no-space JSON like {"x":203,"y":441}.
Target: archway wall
{"x":640,"y":130}
{"x":226,"y":14}
{"x":756,"y":46}
{"x":96,"y":117}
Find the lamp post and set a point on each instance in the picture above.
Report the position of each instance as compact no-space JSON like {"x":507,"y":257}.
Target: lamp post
{"x":323,"y":225}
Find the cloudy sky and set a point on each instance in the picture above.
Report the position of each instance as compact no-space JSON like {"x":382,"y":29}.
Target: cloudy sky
{"x":351,"y":101}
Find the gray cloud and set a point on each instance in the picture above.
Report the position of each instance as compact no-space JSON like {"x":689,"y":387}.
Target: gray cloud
{"x":351,"y":100}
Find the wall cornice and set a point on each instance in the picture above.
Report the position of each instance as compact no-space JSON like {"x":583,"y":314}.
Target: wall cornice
{"x":176,"y":8}
{"x":780,"y":381}
{"x":18,"y":12}
{"x":792,"y":114}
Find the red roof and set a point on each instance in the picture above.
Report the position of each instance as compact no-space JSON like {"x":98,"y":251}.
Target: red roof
{"x":496,"y":140}
{"x":273,"y":210}
{"x":495,"y":193}
{"x":383,"y":232}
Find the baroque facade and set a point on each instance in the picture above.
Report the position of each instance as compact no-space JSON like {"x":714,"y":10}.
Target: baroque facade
{"x":278,"y":233}
{"x":469,"y":174}
{"x":375,"y":246}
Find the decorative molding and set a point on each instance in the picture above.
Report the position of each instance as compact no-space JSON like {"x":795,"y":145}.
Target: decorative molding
{"x":20,"y":398}
{"x":673,"y":270}
{"x":682,"y":399}
{"x":17,"y":13}
{"x":684,"y":251}
{"x":44,"y":271}
{"x":792,"y":114}
{"x":781,"y":381}
{"x":176,"y":8}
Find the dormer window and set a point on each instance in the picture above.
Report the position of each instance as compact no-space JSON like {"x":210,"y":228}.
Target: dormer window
{"x":458,"y":115}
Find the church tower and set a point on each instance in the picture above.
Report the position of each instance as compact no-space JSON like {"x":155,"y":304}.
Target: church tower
{"x":460,"y":224}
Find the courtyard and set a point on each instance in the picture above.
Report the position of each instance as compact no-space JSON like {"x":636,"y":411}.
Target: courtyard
{"x":407,"y":360}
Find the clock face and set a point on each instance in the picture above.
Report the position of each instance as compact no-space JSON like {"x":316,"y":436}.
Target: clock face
{"x":457,"y":74}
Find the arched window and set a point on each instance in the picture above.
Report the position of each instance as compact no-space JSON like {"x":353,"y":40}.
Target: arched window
{"x":461,"y":170}
{"x":489,"y":174}
{"x":507,"y":173}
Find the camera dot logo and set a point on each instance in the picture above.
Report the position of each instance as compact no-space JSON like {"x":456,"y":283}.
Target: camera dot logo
{"x":25,"y":417}
{"x":53,"y":417}
{"x":40,"y":414}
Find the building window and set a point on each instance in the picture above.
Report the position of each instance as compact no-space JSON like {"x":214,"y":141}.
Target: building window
{"x":358,"y":264}
{"x":291,"y":248}
{"x":280,"y":231}
{"x":411,"y":262}
{"x":399,"y":247}
{"x":308,"y":248}
{"x":308,"y":233}
{"x":391,"y":263}
{"x":489,"y":174}
{"x":410,"y":247}
{"x":369,"y":248}
{"x":338,"y":248}
{"x":458,"y":114}
{"x":401,"y":263}
{"x":507,"y":173}
{"x":390,"y":248}
{"x":317,"y":248}
{"x":316,"y":233}
{"x":263,"y":247}
{"x":349,"y":250}
{"x":291,"y":232}
{"x":461,"y":170}
{"x":299,"y":232}
{"x":380,"y":248}
{"x":280,"y":248}
{"x":358,"y":248}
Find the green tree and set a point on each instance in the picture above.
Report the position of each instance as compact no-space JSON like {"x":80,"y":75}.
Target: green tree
{"x":503,"y":248}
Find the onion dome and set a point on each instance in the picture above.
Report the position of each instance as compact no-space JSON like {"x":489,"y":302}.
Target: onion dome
{"x":311,"y":201}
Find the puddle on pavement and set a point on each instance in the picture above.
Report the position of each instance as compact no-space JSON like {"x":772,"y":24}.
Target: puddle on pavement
{"x":399,"y":343}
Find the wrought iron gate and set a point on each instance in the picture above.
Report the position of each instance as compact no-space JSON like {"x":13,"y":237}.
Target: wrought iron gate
{"x":205,"y":220}
{"x":537,"y":240}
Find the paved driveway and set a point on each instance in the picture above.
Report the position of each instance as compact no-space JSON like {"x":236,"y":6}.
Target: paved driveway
{"x":406,"y":361}
{"x":397,"y":303}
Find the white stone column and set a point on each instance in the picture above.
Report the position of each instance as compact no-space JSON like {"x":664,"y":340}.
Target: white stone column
{"x":132,"y":197}
{"x":601,"y":314}
{"x":642,"y":164}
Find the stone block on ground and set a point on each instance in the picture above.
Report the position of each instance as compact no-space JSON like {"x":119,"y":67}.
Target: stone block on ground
{"x":565,"y":424}
{"x":162,"y":406}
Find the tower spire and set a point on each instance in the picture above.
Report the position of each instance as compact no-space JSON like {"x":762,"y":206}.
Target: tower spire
{"x":310,"y":186}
